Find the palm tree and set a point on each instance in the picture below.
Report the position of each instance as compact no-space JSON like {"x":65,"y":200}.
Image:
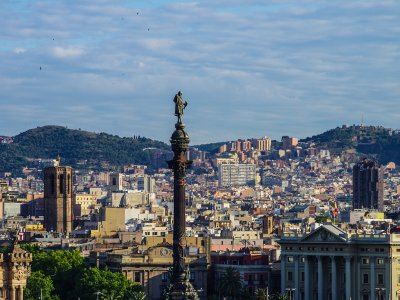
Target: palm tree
{"x":139,"y":295}
{"x":281,"y":296}
{"x":230,"y":284}
{"x":261,"y":294}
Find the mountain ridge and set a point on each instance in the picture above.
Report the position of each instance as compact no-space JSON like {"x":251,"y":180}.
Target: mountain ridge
{"x":75,"y":146}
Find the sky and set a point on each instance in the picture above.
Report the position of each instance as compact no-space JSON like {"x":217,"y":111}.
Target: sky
{"x":246,"y":68}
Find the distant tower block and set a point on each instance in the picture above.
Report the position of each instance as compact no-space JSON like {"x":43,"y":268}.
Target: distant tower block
{"x":58,"y":198}
{"x":116,"y":182}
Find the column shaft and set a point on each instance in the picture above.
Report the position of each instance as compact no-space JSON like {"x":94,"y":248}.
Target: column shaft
{"x":306,"y":278}
{"x":334,"y":278}
{"x":21,"y":293}
{"x":283,"y":273}
{"x":320,"y":279}
{"x":348,"y":278}
{"x":372,"y":277}
{"x":388,"y":283}
{"x":296,"y":278}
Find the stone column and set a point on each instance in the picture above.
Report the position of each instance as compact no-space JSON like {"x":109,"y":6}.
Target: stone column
{"x":181,"y":288}
{"x":388,"y":283}
{"x":296,"y":277}
{"x":372,"y":277}
{"x":348,"y":277}
{"x":21,"y":293}
{"x":283,"y":273}
{"x":320,"y":279}
{"x":334,"y":278}
{"x":12,"y":293}
{"x":306,"y":278}
{"x":357,"y":263}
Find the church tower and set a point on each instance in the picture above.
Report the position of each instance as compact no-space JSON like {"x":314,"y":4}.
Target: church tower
{"x":58,"y":198}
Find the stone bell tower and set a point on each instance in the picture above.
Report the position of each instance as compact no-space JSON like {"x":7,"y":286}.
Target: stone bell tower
{"x":58,"y":198}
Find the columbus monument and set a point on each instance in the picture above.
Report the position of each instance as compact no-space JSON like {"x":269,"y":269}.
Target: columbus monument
{"x":180,"y":287}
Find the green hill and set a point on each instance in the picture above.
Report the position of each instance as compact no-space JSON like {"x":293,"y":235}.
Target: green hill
{"x":383,"y":143}
{"x":77,"y":148}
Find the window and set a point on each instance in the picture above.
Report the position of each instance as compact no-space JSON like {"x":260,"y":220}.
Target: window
{"x":192,"y":276}
{"x":365,"y":297}
{"x":137,"y":276}
{"x":380,"y":261}
{"x":290,"y":276}
{"x":290,"y":259}
{"x":69,"y":184}
{"x":164,"y":276}
{"x":302,"y":259}
{"x":61,"y":183}
{"x":52,"y":184}
{"x":380,"y":278}
{"x":365,"y":278}
{"x":302,"y":276}
{"x":365,"y":261}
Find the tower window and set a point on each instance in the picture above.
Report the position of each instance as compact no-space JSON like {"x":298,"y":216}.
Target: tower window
{"x":61,"y":184}
{"x":69,"y":184}
{"x":52,"y":184}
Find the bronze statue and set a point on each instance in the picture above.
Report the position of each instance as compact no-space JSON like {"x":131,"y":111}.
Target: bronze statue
{"x":180,"y":105}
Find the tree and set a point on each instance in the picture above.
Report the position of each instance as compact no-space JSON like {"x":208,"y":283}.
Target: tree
{"x":39,"y":286}
{"x":138,"y":295}
{"x":57,"y":262}
{"x":63,"y":267}
{"x":110,"y":285}
{"x":261,"y":294}
{"x":32,"y":248}
{"x":230,"y":285}
{"x":280,"y":296}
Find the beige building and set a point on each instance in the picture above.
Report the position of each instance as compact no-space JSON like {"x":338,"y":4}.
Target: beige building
{"x":149,"y":263}
{"x":85,"y":202}
{"x":112,"y":220}
{"x":232,"y":159}
{"x":15,"y":268}
{"x":328,"y":263}
{"x":263,"y":144}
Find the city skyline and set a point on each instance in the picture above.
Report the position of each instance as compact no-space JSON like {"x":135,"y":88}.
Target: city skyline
{"x":246,"y":69}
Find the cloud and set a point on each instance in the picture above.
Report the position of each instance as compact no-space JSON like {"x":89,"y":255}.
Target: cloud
{"x":247,"y":68}
{"x":67,"y":52}
{"x":19,"y":50}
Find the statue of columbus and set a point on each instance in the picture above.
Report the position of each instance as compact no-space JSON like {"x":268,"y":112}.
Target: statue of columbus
{"x":180,"y":105}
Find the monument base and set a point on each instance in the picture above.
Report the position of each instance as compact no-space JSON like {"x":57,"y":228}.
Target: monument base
{"x":180,"y":290}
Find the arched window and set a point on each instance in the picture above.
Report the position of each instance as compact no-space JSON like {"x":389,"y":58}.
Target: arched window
{"x":52,"y":184}
{"x":69,"y":184}
{"x":62,"y":183}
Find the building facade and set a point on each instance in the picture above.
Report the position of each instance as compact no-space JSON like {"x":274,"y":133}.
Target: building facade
{"x":236,"y":175}
{"x":150,"y":263}
{"x":330,"y":264}
{"x":251,"y":264}
{"x":368,"y":185}
{"x":15,"y":268}
{"x":58,"y":198}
